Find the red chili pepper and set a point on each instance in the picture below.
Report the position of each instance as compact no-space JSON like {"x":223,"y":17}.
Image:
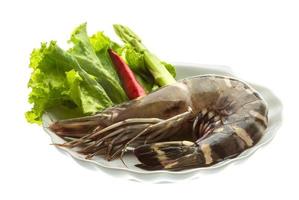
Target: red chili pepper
{"x":131,"y":86}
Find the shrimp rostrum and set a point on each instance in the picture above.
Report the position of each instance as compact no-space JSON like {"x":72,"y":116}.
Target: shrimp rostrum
{"x":195,"y":122}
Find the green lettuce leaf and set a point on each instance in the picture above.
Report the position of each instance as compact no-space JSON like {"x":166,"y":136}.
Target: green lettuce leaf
{"x":81,"y":94}
{"x":54,"y":83}
{"x":48,"y":83}
{"x":89,"y":61}
{"x":169,"y":68}
{"x":100,"y":44}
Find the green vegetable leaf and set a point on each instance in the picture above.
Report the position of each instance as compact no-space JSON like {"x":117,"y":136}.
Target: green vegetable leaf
{"x":81,"y":94}
{"x":100,"y":44}
{"x":135,"y":60}
{"x":54,"y":83}
{"x":47,"y":82}
{"x":89,"y":61}
{"x":170,"y":68}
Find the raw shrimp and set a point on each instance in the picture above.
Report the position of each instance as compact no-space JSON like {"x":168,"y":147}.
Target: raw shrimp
{"x":195,"y":122}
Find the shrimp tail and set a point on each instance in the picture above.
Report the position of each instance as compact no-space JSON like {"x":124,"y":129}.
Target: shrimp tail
{"x":176,"y":155}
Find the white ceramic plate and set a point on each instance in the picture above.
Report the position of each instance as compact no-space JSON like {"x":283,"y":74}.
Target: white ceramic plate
{"x":116,"y":167}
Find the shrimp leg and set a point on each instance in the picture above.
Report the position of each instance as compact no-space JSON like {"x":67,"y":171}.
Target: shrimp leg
{"x":225,"y":142}
{"x":116,"y":138}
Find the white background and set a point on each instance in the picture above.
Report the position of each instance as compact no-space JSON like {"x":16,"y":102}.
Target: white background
{"x":259,"y":39}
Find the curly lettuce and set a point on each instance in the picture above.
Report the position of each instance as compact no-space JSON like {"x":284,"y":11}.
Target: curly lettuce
{"x":58,"y":79}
